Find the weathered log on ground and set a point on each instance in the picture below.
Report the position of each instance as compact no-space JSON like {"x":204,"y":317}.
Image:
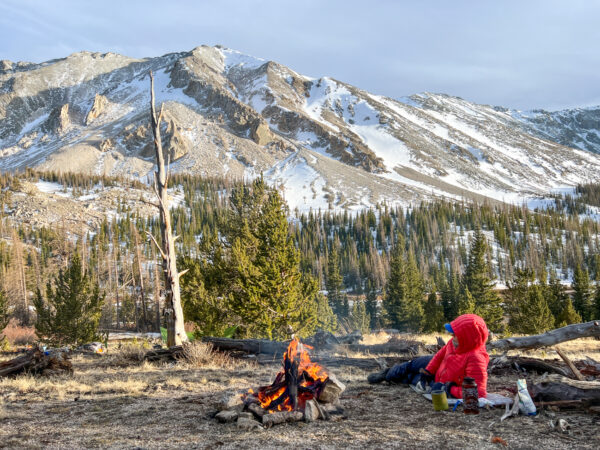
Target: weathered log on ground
{"x":255,"y":346}
{"x":568,"y":333}
{"x":411,"y":348}
{"x":38,"y":363}
{"x":501,"y":363}
{"x":556,"y":388}
{"x":165,"y":354}
{"x":276,"y":418}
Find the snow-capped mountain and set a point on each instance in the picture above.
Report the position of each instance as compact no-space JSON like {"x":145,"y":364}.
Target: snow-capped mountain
{"x":325,"y":142}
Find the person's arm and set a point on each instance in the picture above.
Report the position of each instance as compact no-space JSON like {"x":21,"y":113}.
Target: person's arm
{"x":477,"y":369}
{"x":437,"y":359}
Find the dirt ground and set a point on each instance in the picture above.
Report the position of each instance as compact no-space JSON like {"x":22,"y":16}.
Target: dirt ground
{"x":144,"y":405}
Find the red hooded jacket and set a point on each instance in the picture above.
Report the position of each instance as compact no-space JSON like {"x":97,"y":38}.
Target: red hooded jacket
{"x":469,"y":359}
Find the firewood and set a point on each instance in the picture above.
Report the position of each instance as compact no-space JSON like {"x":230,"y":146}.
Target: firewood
{"x":276,"y":418}
{"x":256,"y":409}
{"x":553,"y":337}
{"x":332,"y":390}
{"x":291,"y":381}
{"x":570,"y":364}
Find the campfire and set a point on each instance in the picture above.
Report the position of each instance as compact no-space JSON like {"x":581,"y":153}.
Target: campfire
{"x":299,"y":380}
{"x":302,"y":390}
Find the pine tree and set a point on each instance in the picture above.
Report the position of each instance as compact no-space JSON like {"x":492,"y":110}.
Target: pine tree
{"x":359,"y":318}
{"x":466,"y":303}
{"x":326,"y":319}
{"x":568,"y":315}
{"x":584,"y":293}
{"x":532,"y":315}
{"x":433,"y":314}
{"x":256,"y":268}
{"x":403,"y":301}
{"x":371,"y":306}
{"x":597,"y":303}
{"x":334,"y":282}
{"x":71,"y":313}
{"x":450,"y":298}
{"x":557,"y":297}
{"x":477,"y":280}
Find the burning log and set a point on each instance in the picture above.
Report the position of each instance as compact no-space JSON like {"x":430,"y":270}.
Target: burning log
{"x":276,"y":418}
{"x":295,"y":393}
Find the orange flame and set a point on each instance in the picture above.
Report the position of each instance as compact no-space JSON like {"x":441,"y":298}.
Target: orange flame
{"x":311,"y":379}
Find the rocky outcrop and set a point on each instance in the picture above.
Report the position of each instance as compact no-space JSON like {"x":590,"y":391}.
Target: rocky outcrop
{"x":260,"y":133}
{"x":99,"y":106}
{"x":58,"y":121}
{"x":175,"y":144}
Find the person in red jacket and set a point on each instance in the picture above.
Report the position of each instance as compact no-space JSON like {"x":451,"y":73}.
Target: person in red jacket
{"x":463,"y":356}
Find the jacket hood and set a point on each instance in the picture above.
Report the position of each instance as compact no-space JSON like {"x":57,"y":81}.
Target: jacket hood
{"x":471,"y":332}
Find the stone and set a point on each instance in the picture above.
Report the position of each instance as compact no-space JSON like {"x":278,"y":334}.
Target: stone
{"x":260,"y":133}
{"x":58,"y":121}
{"x":246,"y":415}
{"x":332,"y":390}
{"x":230,"y":401}
{"x":99,"y":106}
{"x":248,"y":424}
{"x":227,"y":416}
{"x":311,"y":411}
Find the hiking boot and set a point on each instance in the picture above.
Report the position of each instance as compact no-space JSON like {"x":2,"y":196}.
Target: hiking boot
{"x":377,"y":377}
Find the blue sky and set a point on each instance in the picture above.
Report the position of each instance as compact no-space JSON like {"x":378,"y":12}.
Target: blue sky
{"x":523,"y":54}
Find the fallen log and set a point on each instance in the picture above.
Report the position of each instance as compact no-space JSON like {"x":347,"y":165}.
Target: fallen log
{"x":411,"y":348}
{"x":570,"y":332}
{"x":165,"y":354}
{"x":557,"y":388}
{"x":500,"y":363}
{"x":256,"y":346}
{"x":37,"y":362}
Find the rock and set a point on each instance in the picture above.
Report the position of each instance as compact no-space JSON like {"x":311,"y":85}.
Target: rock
{"x":246,"y":415}
{"x":5,"y":65}
{"x":58,"y":121}
{"x":107,"y":145}
{"x":227,"y":416}
{"x":260,"y":133}
{"x":248,"y":424}
{"x":99,"y":106}
{"x":311,"y":411}
{"x":332,"y":390}
{"x":230,"y":401}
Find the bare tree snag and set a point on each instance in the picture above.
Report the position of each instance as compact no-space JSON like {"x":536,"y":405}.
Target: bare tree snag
{"x":570,"y":332}
{"x":569,"y":363}
{"x":175,"y":328}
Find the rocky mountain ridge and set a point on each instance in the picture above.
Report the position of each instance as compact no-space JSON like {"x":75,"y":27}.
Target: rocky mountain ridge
{"x":326,"y":143}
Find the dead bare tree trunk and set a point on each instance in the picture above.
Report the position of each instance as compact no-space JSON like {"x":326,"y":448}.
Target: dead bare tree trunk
{"x":570,"y":332}
{"x":141,"y":284}
{"x":175,"y":326}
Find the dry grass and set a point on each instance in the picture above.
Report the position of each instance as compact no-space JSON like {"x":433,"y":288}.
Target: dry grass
{"x":171,"y":406}
{"x":200,"y":354}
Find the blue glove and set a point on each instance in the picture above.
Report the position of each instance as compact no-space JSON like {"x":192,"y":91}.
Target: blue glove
{"x":443,"y":387}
